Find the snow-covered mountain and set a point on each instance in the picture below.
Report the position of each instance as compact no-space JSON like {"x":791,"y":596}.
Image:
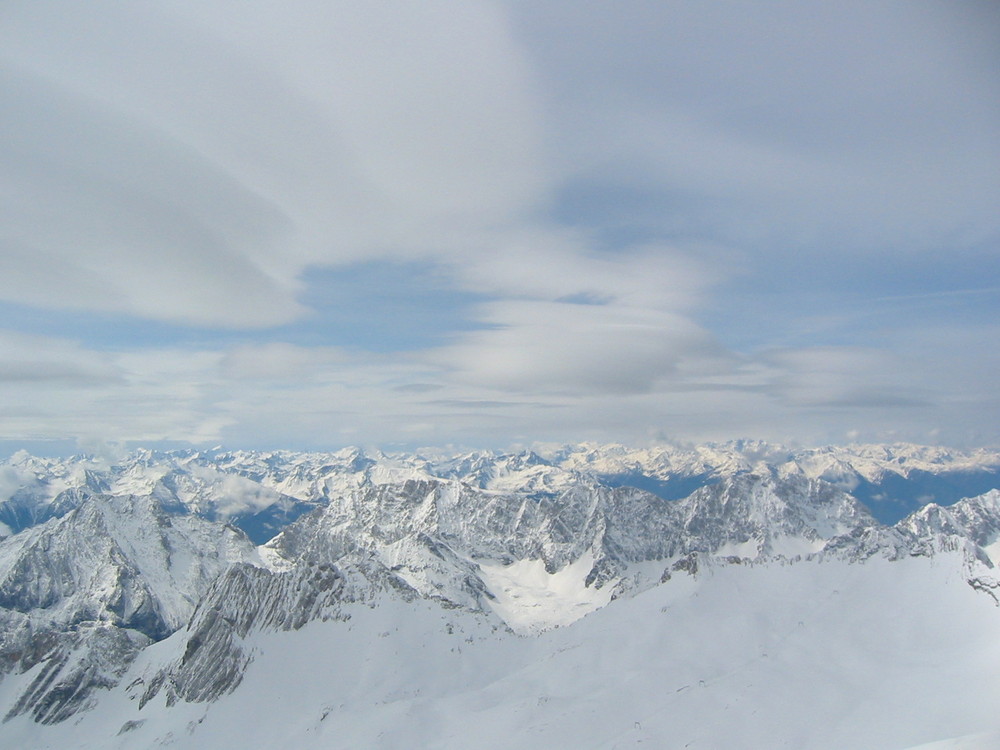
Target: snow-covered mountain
{"x":262,"y":492}
{"x":892,"y":480}
{"x":81,"y":594}
{"x":484,"y":549}
{"x":432,"y":587}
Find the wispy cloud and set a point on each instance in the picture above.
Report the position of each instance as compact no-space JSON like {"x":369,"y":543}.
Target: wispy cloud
{"x":941,"y":294}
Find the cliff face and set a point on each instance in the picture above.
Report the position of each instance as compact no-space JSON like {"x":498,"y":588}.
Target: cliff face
{"x":83,"y":593}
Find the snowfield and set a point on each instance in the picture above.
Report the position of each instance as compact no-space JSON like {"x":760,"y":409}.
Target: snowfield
{"x":809,"y":655}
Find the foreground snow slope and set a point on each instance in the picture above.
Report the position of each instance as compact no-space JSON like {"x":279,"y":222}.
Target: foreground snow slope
{"x":803,"y":655}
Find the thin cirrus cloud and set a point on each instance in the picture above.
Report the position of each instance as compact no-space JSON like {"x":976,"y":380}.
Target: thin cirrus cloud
{"x":116,"y":216}
{"x":314,"y":223}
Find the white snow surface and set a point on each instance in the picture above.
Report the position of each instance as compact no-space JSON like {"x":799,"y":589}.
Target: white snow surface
{"x":530,"y":599}
{"x":811,"y":655}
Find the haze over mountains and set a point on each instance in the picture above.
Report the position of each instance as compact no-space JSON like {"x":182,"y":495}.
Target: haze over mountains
{"x":739,"y":595}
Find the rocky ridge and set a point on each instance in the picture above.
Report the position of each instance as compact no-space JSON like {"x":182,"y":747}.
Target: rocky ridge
{"x":82,"y":594}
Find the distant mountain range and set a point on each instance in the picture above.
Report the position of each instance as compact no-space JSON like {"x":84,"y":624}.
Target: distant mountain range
{"x":261,"y":492}
{"x":148,"y":601}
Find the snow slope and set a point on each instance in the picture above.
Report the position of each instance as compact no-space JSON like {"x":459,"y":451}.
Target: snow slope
{"x":804,"y":656}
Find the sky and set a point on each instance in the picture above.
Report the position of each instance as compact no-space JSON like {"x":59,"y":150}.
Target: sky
{"x":312,"y":224}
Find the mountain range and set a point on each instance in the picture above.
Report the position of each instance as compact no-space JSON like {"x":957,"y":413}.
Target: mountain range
{"x":735,"y":595}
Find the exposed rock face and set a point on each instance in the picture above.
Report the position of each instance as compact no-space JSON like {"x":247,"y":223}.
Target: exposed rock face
{"x":976,"y":519}
{"x":82,"y":594}
{"x":971,"y":525}
{"x":246,"y":599}
{"x":72,"y":664}
{"x":435,"y":534}
{"x":767,"y":516}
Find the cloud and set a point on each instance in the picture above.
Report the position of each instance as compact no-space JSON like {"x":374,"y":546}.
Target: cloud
{"x":114,"y":215}
{"x":280,"y":362}
{"x":55,"y":362}
{"x":551,"y":381}
{"x":236,"y":494}
{"x":540,"y":346}
{"x":12,"y":479}
{"x":840,"y":377}
{"x":77,"y":393}
{"x":784,"y":124}
{"x":550,"y":264}
{"x":494,"y":222}
{"x":188,"y":163}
